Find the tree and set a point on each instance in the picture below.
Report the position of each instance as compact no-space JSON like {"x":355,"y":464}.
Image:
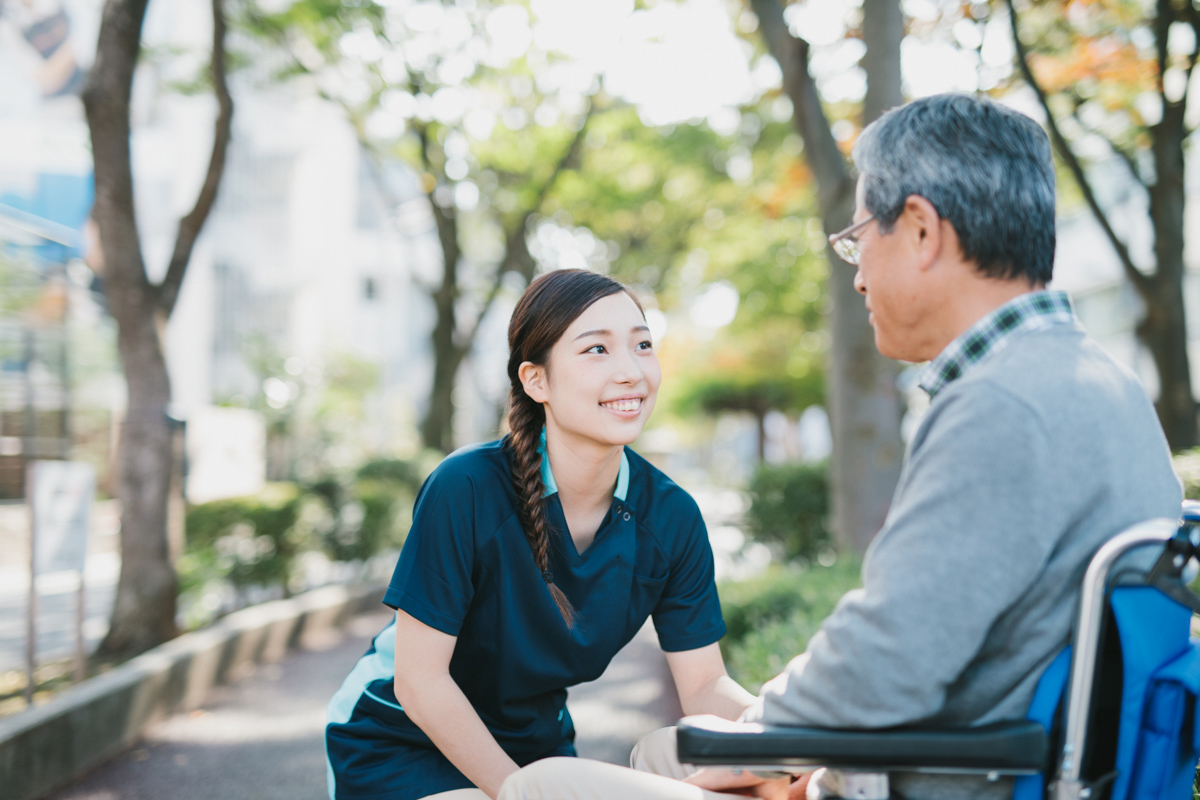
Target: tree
{"x":687,"y":209}
{"x":863,"y":400}
{"x":144,"y":609}
{"x":1097,"y":83}
{"x":417,"y":70}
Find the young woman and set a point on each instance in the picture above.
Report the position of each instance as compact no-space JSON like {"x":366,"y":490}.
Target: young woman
{"x":530,"y":562}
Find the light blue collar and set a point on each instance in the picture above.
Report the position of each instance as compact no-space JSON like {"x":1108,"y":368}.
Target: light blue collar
{"x":552,"y":485}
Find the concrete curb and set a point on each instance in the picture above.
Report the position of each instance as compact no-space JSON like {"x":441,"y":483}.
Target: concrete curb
{"x":49,"y":745}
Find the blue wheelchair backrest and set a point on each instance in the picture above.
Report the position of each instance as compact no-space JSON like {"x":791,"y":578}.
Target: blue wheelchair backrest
{"x":1142,"y":739}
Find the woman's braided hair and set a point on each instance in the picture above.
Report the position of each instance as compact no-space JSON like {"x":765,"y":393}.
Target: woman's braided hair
{"x":544,"y":312}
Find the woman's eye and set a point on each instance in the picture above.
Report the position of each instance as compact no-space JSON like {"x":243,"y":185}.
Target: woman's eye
{"x":646,"y":345}
{"x":596,"y":348}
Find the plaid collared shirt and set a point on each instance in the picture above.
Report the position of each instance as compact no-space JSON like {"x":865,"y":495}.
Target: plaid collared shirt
{"x":1030,"y":312}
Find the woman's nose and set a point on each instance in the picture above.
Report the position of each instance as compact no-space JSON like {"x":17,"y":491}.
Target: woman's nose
{"x":629,"y":371}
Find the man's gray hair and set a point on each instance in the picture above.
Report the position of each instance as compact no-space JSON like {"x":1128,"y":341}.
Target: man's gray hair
{"x":985,"y":168}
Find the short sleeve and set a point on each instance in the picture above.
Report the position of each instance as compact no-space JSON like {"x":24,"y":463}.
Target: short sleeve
{"x":432,"y":579}
{"x":688,"y":614}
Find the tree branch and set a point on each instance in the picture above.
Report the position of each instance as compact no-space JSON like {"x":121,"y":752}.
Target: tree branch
{"x":1193,"y":15}
{"x":447,"y":223}
{"x":189,"y":226}
{"x":1139,"y":280}
{"x":1162,"y":32}
{"x":516,"y":250}
{"x":1125,"y":155}
{"x":106,"y":100}
{"x":824,"y":158}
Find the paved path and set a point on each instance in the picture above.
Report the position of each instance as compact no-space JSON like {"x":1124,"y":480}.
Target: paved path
{"x":261,"y":738}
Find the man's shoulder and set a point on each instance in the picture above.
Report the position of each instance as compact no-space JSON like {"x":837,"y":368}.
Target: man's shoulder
{"x":1054,"y":367}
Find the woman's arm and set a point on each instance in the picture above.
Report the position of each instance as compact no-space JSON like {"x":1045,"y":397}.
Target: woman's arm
{"x":437,"y":705}
{"x":703,"y":684}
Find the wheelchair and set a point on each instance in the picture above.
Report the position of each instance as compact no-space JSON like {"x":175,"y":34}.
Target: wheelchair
{"x":1114,"y":714}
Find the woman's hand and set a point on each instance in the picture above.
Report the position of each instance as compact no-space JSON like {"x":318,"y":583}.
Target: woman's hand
{"x":437,"y":705}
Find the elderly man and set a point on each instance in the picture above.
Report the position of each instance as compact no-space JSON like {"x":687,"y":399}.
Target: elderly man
{"x":1036,"y":449}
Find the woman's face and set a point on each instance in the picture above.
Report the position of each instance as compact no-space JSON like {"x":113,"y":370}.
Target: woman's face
{"x":602,"y":376}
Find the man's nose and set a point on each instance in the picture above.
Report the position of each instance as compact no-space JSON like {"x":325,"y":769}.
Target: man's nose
{"x":860,"y":286}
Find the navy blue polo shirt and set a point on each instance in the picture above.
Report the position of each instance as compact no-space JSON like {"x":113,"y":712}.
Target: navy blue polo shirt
{"x":466,"y":569}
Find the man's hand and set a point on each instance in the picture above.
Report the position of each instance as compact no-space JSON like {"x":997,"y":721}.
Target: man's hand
{"x":741,"y":782}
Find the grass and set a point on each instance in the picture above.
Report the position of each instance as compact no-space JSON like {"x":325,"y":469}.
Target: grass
{"x":49,"y":679}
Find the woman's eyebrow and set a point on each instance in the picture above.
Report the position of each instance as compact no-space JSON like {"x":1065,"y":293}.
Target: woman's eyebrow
{"x":597,"y":332}
{"x":606,"y":332}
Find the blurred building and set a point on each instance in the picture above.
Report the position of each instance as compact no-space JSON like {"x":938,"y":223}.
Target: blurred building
{"x":310,"y":257}
{"x":48,"y":409}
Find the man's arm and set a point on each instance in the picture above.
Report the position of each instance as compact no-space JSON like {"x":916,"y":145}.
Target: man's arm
{"x":968,"y":533}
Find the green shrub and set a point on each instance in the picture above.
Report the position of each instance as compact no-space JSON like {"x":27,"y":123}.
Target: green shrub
{"x":1187,"y":467}
{"x":770,"y":618}
{"x":371,"y":511}
{"x":244,"y":541}
{"x":364,"y":518}
{"x":392,"y":470}
{"x":242,"y":549}
{"x":789,"y":508}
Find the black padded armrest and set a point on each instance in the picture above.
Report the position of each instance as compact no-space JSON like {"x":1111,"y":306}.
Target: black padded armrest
{"x":1010,"y":748}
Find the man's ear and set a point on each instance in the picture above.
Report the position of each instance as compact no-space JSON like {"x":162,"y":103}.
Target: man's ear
{"x":925,"y":229}
{"x":533,"y":379}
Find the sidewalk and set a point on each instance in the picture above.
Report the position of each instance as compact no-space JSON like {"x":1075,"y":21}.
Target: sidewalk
{"x":262,"y":738}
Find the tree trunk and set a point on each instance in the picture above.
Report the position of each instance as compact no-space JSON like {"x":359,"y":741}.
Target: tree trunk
{"x":451,"y":346}
{"x":871,"y":406}
{"x":1164,"y":328}
{"x":144,"y":609}
{"x":864,"y":405}
{"x":437,"y":429}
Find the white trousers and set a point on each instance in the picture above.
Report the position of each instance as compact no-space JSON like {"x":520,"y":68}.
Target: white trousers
{"x":656,"y":775}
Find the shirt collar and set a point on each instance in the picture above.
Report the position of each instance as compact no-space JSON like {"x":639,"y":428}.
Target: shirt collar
{"x":1028,"y":312}
{"x":552,"y":485}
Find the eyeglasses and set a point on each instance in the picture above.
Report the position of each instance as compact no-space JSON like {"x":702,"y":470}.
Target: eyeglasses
{"x":845,"y":243}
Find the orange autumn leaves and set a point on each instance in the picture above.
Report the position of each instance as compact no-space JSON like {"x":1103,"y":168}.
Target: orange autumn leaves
{"x":1090,"y":47}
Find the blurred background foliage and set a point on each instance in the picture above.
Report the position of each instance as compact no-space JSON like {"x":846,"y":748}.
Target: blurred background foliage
{"x":789,"y":510}
{"x":513,"y":141}
{"x":770,"y":618}
{"x":292,"y":536}
{"x":519,"y":156}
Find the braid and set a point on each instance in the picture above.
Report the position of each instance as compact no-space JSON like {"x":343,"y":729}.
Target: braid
{"x":525,"y":421}
{"x":546,"y":309}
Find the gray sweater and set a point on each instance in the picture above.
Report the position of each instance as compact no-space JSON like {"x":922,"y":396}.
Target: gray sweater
{"x":1018,"y":473}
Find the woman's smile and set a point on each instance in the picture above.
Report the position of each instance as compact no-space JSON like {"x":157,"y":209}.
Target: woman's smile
{"x":628,"y":407}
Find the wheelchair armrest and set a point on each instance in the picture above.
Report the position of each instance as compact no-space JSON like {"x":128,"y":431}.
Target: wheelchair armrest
{"x":1009,"y":748}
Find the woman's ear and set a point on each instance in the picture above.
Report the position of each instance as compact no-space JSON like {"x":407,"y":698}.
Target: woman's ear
{"x":533,"y":379}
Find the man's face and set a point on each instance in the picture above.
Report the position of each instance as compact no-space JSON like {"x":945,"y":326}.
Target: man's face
{"x":889,"y":280}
